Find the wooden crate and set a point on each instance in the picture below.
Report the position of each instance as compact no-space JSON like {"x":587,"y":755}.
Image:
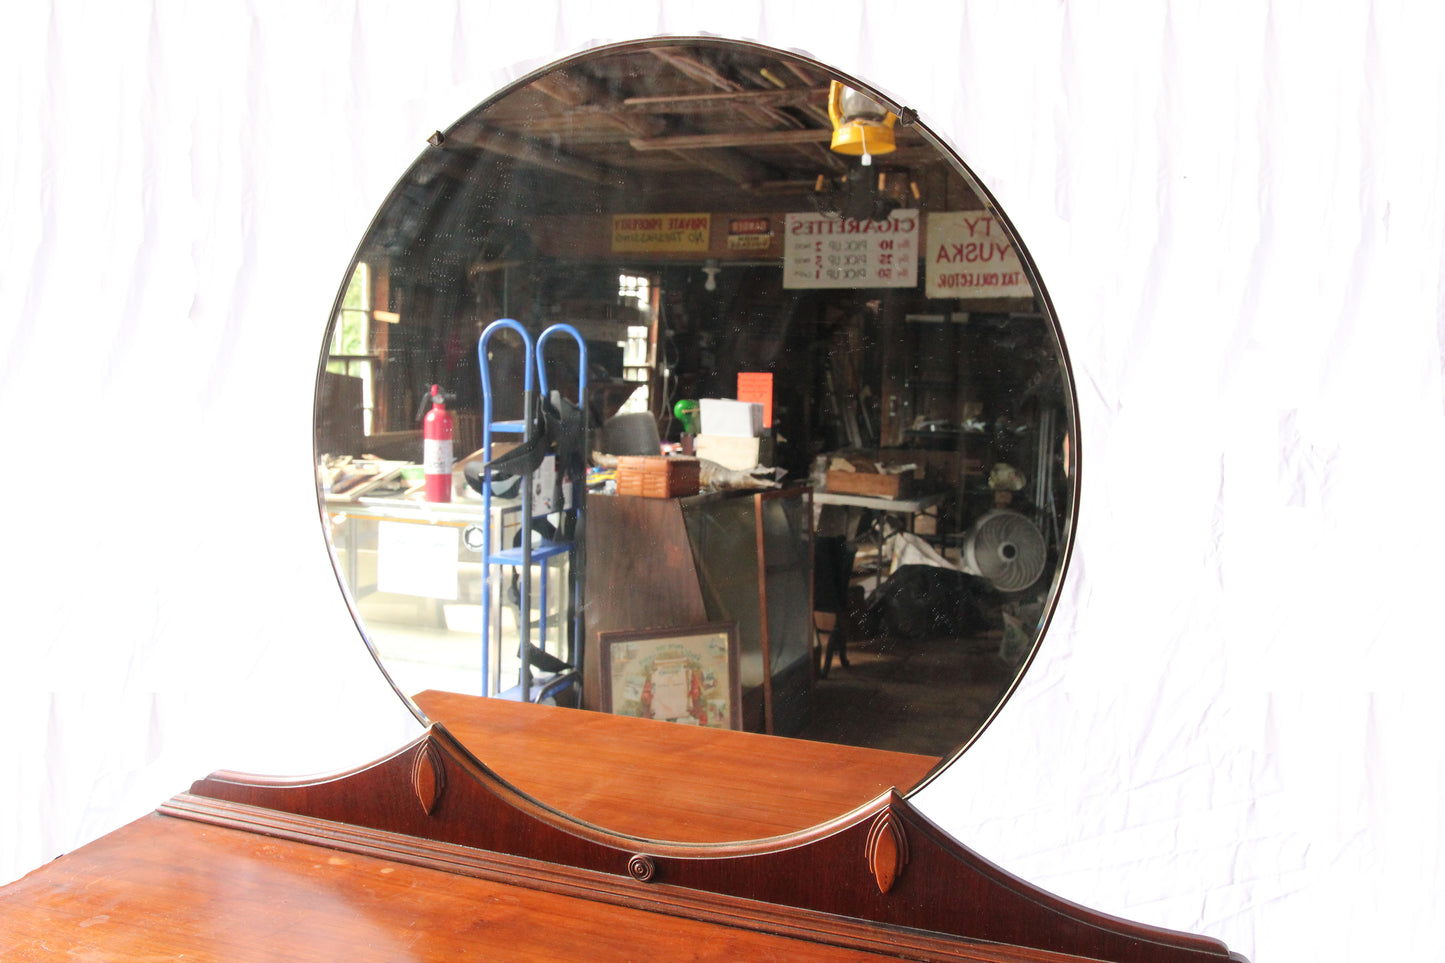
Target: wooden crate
{"x":870,"y":483}
{"x":657,"y":477}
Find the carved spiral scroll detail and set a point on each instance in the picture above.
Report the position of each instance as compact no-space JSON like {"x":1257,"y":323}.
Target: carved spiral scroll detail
{"x":428,"y":775}
{"x":887,"y":849}
{"x":641,"y":868}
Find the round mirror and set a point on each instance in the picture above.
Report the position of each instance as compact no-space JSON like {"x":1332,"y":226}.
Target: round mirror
{"x":686,"y":390}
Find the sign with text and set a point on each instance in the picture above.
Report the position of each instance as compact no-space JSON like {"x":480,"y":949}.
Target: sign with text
{"x":750,"y":234}
{"x":969,"y":255}
{"x":686,"y":233}
{"x":823,"y":251}
{"x":749,"y":242}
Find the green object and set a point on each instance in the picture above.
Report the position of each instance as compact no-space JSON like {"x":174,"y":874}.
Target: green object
{"x":686,"y":411}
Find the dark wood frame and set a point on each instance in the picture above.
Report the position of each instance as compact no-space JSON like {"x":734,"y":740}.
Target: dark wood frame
{"x":426,"y":852}
{"x":728,"y":631}
{"x":882,"y":878}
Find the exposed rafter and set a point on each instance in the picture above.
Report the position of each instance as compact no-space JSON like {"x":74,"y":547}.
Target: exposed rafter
{"x":785,"y":97}
{"x":583,"y":94}
{"x":697,"y":70}
{"x":740,"y":138}
{"x":580,"y":93}
{"x":537,"y":154}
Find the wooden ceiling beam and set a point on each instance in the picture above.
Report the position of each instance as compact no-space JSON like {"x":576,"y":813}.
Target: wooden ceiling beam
{"x":536,"y":154}
{"x":728,"y":100}
{"x":699,"y":71}
{"x":582,"y":93}
{"x":740,"y":138}
{"x":730,"y":164}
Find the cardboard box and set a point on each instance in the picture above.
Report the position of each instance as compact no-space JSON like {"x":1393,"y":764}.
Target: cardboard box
{"x":739,"y":454}
{"x":870,"y":484}
{"x":657,"y":477}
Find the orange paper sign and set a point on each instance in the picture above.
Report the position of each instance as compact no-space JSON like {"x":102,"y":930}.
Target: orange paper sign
{"x":757,"y":387}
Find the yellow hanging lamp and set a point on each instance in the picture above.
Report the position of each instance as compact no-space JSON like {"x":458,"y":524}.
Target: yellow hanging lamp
{"x":861,"y":126}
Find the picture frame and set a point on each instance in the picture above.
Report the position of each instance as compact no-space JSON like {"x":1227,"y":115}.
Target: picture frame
{"x":683,"y":674}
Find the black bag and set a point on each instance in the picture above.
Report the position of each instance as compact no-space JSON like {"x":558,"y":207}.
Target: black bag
{"x":927,"y":602}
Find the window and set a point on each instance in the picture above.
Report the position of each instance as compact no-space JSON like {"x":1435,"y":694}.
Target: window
{"x":635,"y":350}
{"x":631,"y":286}
{"x":350,"y":352}
{"x":635,"y":367}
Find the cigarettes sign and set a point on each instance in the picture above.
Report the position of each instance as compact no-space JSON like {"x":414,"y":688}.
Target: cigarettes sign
{"x":822,"y":251}
{"x":969,"y":255}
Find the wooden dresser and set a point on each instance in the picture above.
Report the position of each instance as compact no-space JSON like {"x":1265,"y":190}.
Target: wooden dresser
{"x":429,"y":855}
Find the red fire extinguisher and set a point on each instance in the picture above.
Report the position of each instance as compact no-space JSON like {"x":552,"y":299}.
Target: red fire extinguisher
{"x":436,"y":446}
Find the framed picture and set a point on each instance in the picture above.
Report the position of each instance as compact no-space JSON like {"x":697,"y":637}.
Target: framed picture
{"x":687,"y":674}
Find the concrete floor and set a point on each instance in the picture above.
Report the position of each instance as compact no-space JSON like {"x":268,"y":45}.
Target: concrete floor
{"x":428,"y":644}
{"x":922,"y":696}
{"x":925,"y":697}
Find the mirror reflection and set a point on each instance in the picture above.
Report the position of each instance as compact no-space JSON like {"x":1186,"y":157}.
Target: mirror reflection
{"x":689,"y":381}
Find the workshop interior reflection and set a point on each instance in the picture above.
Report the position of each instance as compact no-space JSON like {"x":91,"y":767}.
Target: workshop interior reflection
{"x":663,"y":385}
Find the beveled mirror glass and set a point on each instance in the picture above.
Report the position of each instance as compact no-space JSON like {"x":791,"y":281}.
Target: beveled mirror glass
{"x":737,"y":255}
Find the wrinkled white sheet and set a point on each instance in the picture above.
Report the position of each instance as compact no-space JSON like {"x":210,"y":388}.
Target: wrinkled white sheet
{"x":1237,"y":208}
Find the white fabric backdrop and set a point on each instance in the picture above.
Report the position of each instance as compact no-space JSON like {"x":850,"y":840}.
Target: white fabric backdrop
{"x":1237,"y":208}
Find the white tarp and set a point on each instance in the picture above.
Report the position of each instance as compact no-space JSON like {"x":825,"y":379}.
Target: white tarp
{"x":1238,"y":210}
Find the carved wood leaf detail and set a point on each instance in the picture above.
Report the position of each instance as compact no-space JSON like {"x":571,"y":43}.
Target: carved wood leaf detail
{"x":887,"y":849}
{"x":428,"y":775}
